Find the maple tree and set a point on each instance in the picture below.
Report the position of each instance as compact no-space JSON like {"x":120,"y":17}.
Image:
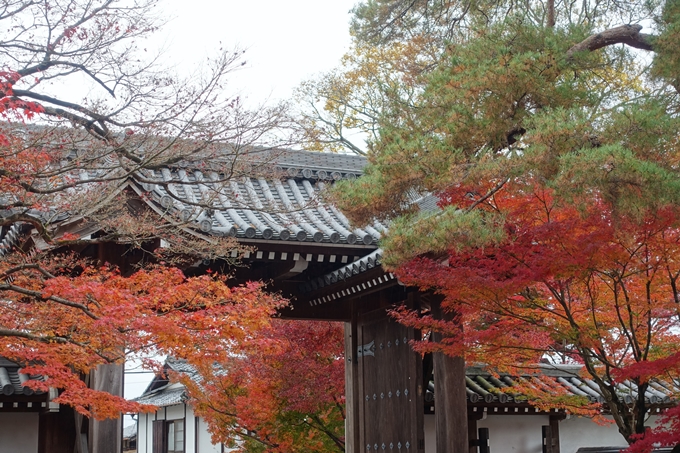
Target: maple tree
{"x":568,"y":287}
{"x":62,"y":318}
{"x":283,"y":393}
{"x":63,"y":312}
{"x":551,"y":148}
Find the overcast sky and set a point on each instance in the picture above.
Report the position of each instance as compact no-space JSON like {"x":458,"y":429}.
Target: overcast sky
{"x":286,"y":42}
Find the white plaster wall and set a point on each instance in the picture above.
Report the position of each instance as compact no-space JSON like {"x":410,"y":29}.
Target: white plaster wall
{"x":577,"y":432}
{"x":144,"y":433}
{"x":145,"y":427}
{"x":175,"y":412}
{"x":196,"y":440}
{"x":149,"y":431}
{"x":204,"y":443}
{"x":190,"y":431}
{"x":507,"y":433}
{"x":19,"y":432}
{"x":522,"y":433}
{"x":514,"y":433}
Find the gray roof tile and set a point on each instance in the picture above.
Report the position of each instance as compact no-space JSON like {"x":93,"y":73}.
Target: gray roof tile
{"x":12,"y":382}
{"x":483,"y":387}
{"x":283,"y":204}
{"x":163,"y":396}
{"x":161,"y":392}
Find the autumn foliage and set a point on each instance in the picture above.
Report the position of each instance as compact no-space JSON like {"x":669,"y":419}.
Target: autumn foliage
{"x":283,"y":392}
{"x":65,"y":310}
{"x":528,"y":167}
{"x":62,"y":318}
{"x":586,"y":287}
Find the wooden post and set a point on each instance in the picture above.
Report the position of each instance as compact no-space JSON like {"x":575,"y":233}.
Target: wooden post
{"x":472,"y":429}
{"x":484,"y":440}
{"x":546,"y":439}
{"x":106,"y":436}
{"x":555,"y":432}
{"x":352,"y":435}
{"x":450,"y":407}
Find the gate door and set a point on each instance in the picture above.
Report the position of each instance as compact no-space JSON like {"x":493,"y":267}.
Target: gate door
{"x":390,"y":388}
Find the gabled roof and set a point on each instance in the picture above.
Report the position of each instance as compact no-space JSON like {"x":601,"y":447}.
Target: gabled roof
{"x":272,"y":200}
{"x":130,"y":432}
{"x":161,"y":392}
{"x":164,"y":396}
{"x":273,"y":195}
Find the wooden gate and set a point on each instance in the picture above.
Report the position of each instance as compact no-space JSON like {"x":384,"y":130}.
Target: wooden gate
{"x":390,"y":388}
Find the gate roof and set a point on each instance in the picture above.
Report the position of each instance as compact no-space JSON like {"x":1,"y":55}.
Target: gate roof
{"x":271,"y":200}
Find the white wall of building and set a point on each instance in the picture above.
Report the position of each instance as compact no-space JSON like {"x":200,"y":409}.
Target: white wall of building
{"x":514,"y":433}
{"x":507,"y":433}
{"x":204,"y":443}
{"x":19,"y":432}
{"x":196,"y":441}
{"x":143,"y":433}
{"x":522,"y":433}
{"x":577,"y":432}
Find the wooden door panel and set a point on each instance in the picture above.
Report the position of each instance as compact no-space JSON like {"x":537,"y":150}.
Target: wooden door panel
{"x":390,"y":388}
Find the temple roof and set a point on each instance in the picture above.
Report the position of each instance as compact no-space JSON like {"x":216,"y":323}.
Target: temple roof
{"x":255,"y":207}
{"x":12,"y":381}
{"x":272,"y":195}
{"x":164,"y":396}
{"x":271,"y":199}
{"x":481,"y":387}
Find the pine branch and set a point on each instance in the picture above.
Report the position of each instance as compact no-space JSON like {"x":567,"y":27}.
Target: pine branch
{"x":624,"y":34}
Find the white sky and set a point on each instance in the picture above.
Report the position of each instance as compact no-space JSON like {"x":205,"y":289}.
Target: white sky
{"x":287,"y":42}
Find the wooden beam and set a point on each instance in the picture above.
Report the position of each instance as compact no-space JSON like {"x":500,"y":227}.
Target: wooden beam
{"x":339,"y":310}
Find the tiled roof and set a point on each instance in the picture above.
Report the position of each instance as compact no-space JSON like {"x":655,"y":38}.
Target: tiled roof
{"x":275,"y":196}
{"x":354,"y":268}
{"x":483,"y":387}
{"x":9,"y":237}
{"x":161,"y":392}
{"x":180,"y":366}
{"x":130,"y":431}
{"x":254,"y":207}
{"x":12,"y":382}
{"x":164,"y":396}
